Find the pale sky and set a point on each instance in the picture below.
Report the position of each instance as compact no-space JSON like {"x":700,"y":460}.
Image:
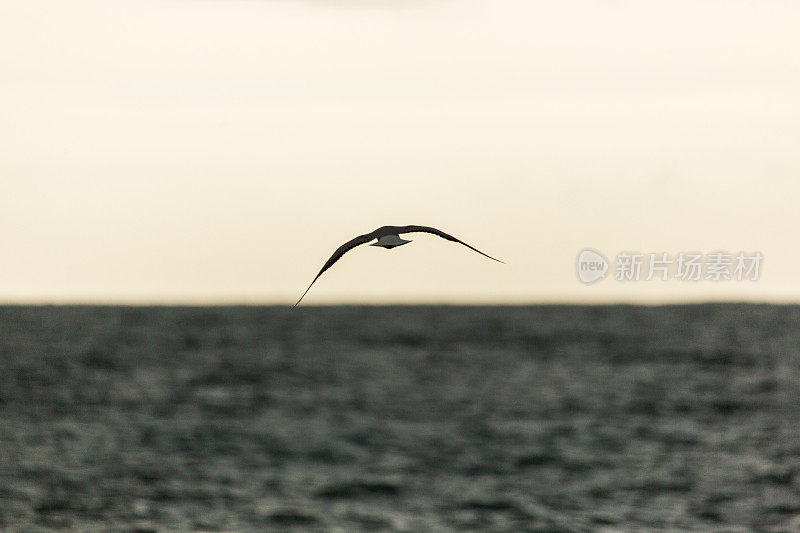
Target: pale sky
{"x":218,"y":151}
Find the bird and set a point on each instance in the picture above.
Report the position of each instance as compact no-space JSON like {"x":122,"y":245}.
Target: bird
{"x":388,"y":237}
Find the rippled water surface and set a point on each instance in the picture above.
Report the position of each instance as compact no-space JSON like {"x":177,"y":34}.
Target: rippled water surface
{"x":400,"y":418}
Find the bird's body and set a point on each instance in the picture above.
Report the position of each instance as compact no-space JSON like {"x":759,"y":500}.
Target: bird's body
{"x":387,"y":237}
{"x":389,"y":241}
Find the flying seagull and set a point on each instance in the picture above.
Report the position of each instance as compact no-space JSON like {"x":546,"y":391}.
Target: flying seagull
{"x":387,"y":237}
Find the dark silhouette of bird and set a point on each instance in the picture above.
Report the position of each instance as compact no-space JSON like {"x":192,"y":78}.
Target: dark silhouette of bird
{"x":387,"y":237}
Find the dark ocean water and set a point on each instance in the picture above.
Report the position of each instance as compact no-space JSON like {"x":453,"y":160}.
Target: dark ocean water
{"x":552,"y":418}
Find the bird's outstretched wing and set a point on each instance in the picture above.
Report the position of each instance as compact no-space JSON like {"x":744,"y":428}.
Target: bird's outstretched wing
{"x":434,"y":231}
{"x":343,"y":249}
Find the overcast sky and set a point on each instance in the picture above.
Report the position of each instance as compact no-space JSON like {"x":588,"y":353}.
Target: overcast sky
{"x":216,"y":151}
